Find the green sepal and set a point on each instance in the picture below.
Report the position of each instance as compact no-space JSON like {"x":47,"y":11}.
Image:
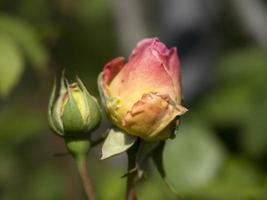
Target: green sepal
{"x":93,"y":108}
{"x":50,"y":113}
{"x":56,"y":111}
{"x":139,"y":156}
{"x":143,"y":155}
{"x":131,"y":155}
{"x":116,"y":142}
{"x":94,"y":117}
{"x":175,"y":127}
{"x":157,"y":157}
{"x":72,"y":119}
{"x":63,"y":88}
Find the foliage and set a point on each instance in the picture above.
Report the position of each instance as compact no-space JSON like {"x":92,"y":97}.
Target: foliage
{"x":19,"y":42}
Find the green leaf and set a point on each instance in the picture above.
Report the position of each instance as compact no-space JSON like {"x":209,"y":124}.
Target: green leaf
{"x":247,"y":64}
{"x":241,"y":85}
{"x":116,"y":143}
{"x":193,"y":158}
{"x":254,"y":137}
{"x":154,"y":188}
{"x":18,"y":127}
{"x":90,"y":11}
{"x":239,"y":179}
{"x":47,"y":183}
{"x":11,"y":65}
{"x":27,"y":39}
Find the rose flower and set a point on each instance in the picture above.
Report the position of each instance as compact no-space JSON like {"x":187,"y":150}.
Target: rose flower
{"x":143,"y":97}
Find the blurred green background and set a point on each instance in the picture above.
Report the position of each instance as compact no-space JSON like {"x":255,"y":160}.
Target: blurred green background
{"x":220,"y":152}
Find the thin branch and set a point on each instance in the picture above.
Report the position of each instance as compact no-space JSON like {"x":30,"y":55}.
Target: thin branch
{"x":86,"y":180}
{"x":131,"y":195}
{"x":131,"y":178}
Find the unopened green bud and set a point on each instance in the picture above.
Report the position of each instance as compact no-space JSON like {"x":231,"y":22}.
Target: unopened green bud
{"x":74,"y":112}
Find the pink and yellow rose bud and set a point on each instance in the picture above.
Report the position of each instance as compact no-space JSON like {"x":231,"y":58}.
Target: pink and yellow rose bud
{"x":143,"y":97}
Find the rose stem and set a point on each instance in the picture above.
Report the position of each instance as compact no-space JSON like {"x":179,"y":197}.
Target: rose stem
{"x":131,"y":178}
{"x":86,"y":180}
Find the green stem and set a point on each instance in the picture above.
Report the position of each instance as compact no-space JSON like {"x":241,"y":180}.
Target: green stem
{"x":131,"y":178}
{"x":86,"y":180}
{"x":79,"y":148}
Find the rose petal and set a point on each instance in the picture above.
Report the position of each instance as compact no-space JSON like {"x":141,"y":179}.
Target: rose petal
{"x":173,"y":66}
{"x":111,"y":69}
{"x":150,"y":115}
{"x":145,"y":73}
{"x":143,"y":44}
